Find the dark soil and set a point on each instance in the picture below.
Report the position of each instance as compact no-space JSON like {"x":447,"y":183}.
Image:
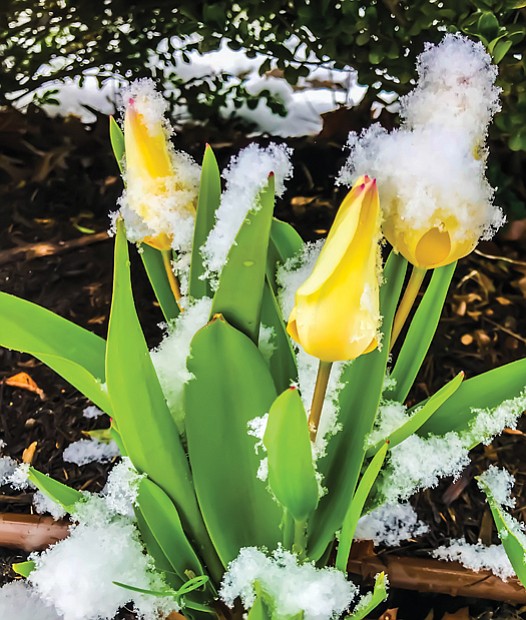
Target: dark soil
{"x":59,"y":182}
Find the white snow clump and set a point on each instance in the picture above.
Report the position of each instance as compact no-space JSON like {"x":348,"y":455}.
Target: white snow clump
{"x":390,"y":524}
{"x":321,"y":594}
{"x":86,"y":451}
{"x":477,"y":557}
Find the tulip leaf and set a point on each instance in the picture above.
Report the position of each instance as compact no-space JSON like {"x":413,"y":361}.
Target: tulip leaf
{"x":117,"y":142}
{"x":259,"y":610}
{"x":57,"y":491}
{"x":285,"y":243}
{"x":486,"y":391}
{"x":152,"y":260}
{"x":146,"y":427}
{"x":355,"y":510}
{"x":240,"y":292}
{"x":162,"y":564}
{"x":231,"y":385}
{"x":420,"y":334}
{"x":207,"y":204}
{"x":291,"y":473}
{"x":74,"y":353}
{"x":24,"y":569}
{"x":421,"y":415}
{"x":163,"y":521}
{"x":282,"y":362}
{"x":358,"y":399}
{"x":512,"y":538}
{"x":369,"y":602}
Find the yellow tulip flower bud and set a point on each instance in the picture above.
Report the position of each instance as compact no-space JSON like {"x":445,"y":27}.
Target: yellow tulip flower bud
{"x":336,"y":315}
{"x":161,"y":185}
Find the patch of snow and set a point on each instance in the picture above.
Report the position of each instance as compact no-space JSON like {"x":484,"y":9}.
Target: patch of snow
{"x":390,"y":524}
{"x":320,"y":594}
{"x":44,"y":505}
{"x":19,"y":601}
{"x":477,"y":557}
{"x":86,"y":451}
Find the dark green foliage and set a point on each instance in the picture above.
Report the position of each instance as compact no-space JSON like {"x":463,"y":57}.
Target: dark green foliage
{"x":380,"y":38}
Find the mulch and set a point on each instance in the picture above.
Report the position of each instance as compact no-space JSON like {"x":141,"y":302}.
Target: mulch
{"x":57,"y":183}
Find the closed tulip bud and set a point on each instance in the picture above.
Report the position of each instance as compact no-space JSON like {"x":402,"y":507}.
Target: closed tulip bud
{"x":336,"y":315}
{"x":161,"y":185}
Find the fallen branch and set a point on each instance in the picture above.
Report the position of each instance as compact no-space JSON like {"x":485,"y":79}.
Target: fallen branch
{"x":28,"y":251}
{"x":30,"y":532}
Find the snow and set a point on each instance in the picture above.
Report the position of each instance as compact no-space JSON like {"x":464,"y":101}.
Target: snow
{"x":477,"y":557}
{"x":246,"y":175}
{"x":501,"y":484}
{"x":169,"y":358}
{"x":44,"y":505}
{"x":390,"y":524}
{"x":266,"y":342}
{"x":391,"y":416}
{"x":304,"y":103}
{"x":92,"y":413}
{"x":87,"y":451}
{"x":419,"y":462}
{"x":18,"y":601}
{"x":320,"y":594}
{"x":7,"y":469}
{"x":256,"y":428}
{"x":444,"y":125}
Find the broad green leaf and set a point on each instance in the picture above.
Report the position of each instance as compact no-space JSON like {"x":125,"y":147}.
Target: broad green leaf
{"x":162,"y":564}
{"x":231,"y":386}
{"x":420,"y":334}
{"x":74,"y":353}
{"x":513,"y":540}
{"x":55,"y":490}
{"x":164,"y":523}
{"x":24,"y":568}
{"x":358,"y":403}
{"x":369,"y":602}
{"x":117,"y":142}
{"x":291,"y":473}
{"x":355,"y":510}
{"x":285,"y":243}
{"x":422,"y":413}
{"x":240,"y":292}
{"x":153,"y":264}
{"x":208,"y":202}
{"x":148,"y":432}
{"x":486,"y":391}
{"x":282,"y":362}
{"x":488,"y":25}
{"x":259,"y":611}
{"x":500,"y":50}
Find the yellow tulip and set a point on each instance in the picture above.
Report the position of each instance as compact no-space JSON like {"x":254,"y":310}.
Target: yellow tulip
{"x":432,"y":245}
{"x":152,"y":184}
{"x":336,"y":315}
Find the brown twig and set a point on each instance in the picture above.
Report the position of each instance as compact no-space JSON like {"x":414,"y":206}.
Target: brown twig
{"x":29,"y":251}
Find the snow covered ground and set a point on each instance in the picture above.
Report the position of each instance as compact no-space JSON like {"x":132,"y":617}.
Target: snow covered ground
{"x":323,"y":90}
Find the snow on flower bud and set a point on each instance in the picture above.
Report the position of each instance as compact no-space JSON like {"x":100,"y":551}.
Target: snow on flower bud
{"x":435,"y":199}
{"x":158,"y":204}
{"x":336,"y":315}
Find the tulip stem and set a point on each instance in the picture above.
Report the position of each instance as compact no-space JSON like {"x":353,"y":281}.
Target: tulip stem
{"x":318,"y":398}
{"x":172,"y":278}
{"x":410,"y":294}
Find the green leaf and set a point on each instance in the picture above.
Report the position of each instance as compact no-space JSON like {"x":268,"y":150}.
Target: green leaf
{"x":422,"y":413}
{"x":282,"y":362}
{"x":500,"y":50}
{"x":486,"y":391}
{"x":117,"y":142}
{"x":231,"y":386}
{"x":358,"y":402}
{"x":369,"y":602}
{"x":355,"y":510}
{"x":513,"y":540}
{"x":145,"y":424}
{"x":55,"y":490}
{"x":488,"y":25}
{"x":74,"y":353}
{"x":259,"y":610}
{"x":24,"y":568}
{"x":285,"y":243}
{"x":291,"y":473}
{"x":420,"y":334}
{"x":153,"y":264}
{"x":208,"y":202}
{"x":164,"y":523}
{"x":240,"y":292}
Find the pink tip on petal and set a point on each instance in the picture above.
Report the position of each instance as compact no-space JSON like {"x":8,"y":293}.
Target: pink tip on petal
{"x":131,"y":101}
{"x":361,"y":187}
{"x":271,"y":175}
